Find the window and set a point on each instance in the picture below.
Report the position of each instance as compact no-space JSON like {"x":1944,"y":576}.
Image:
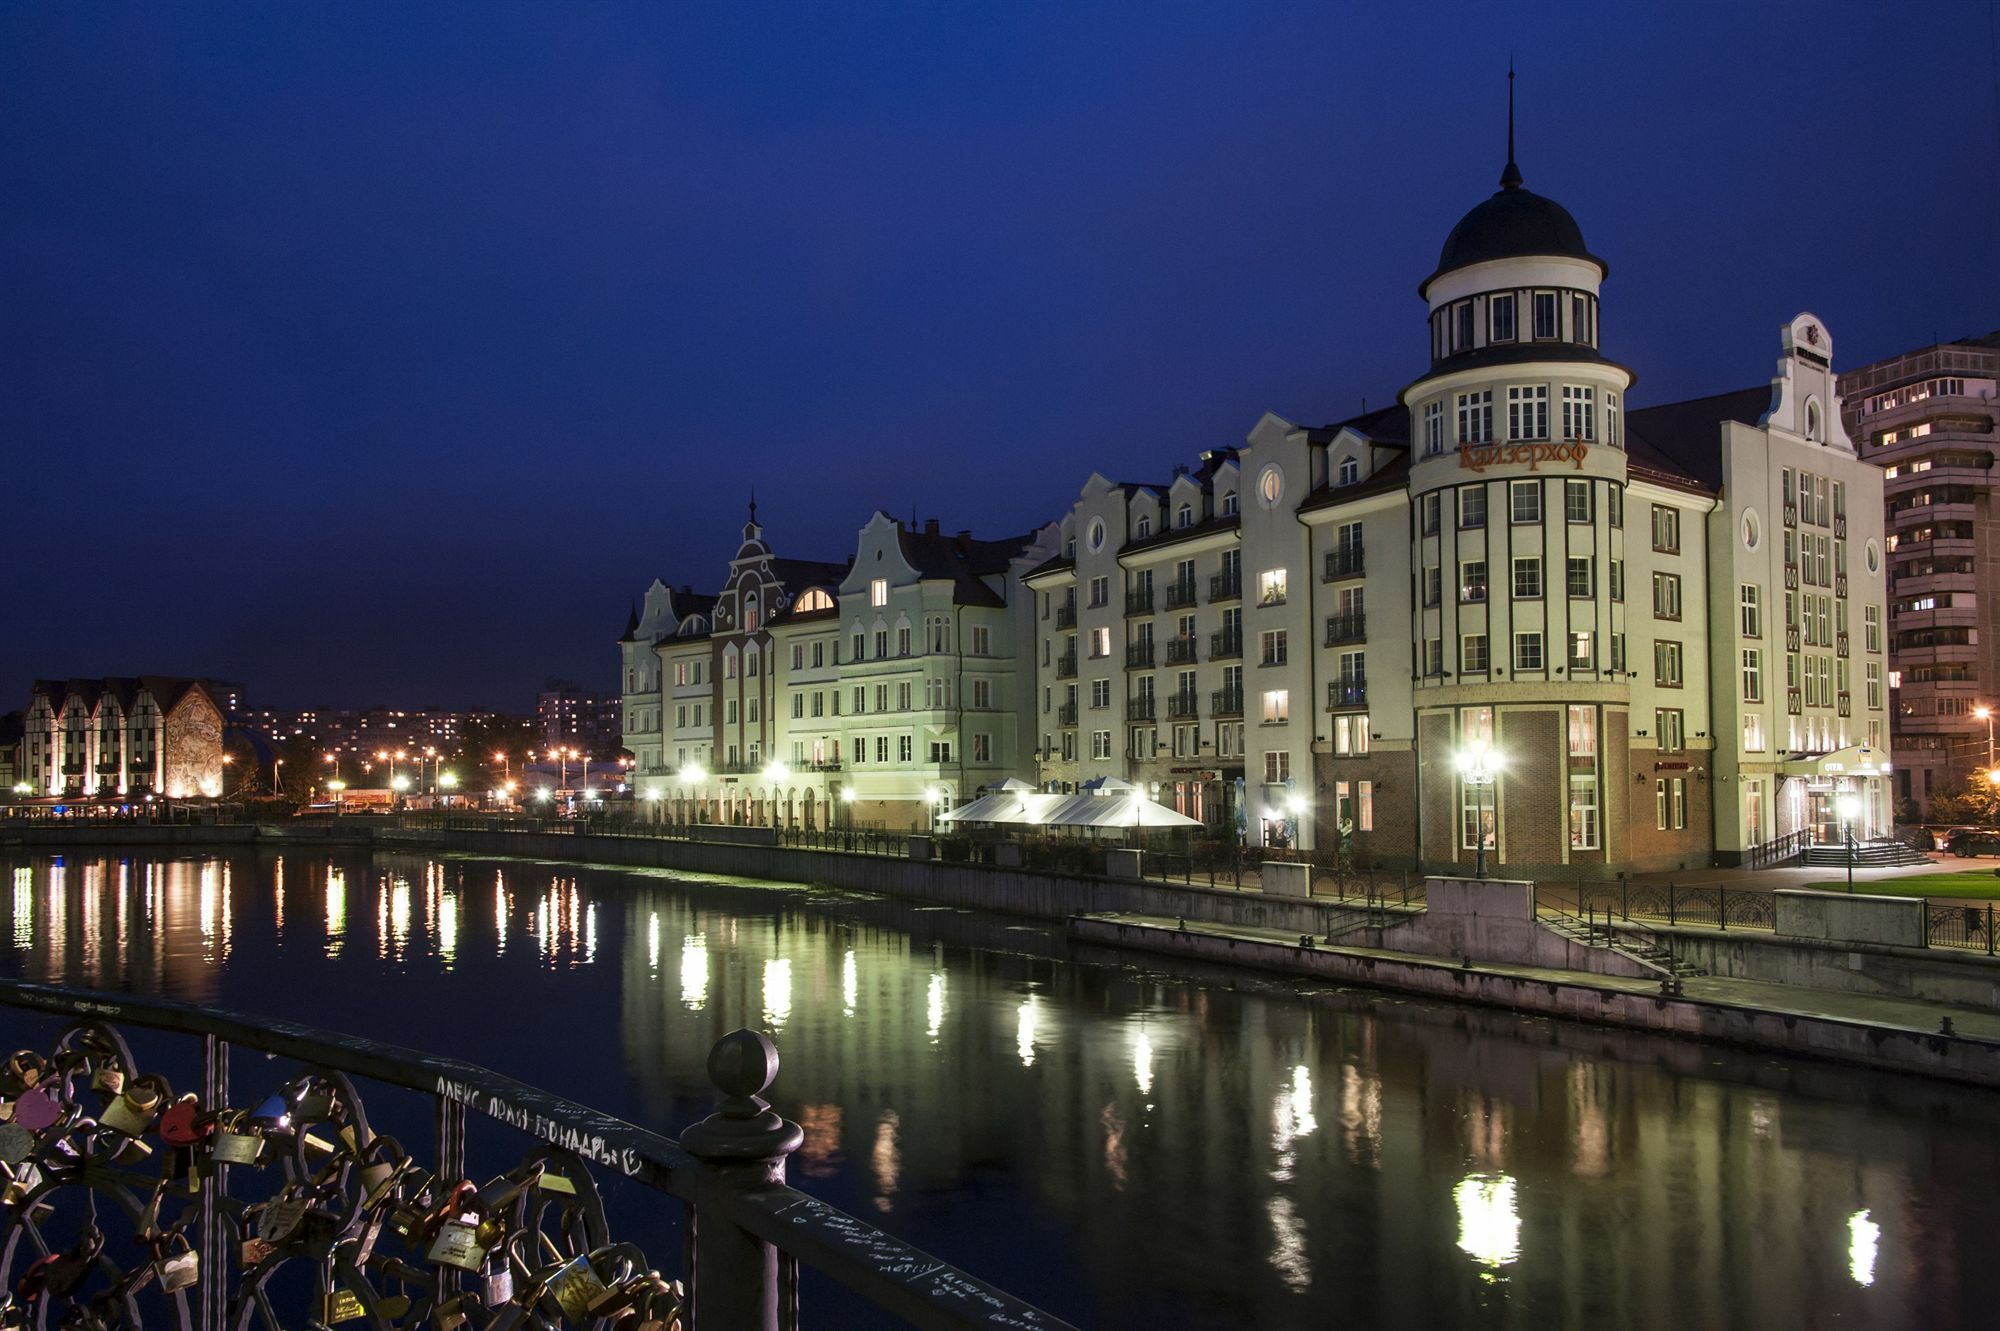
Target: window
{"x":1545,"y":315}
{"x":1614,"y":434}
{"x":905,"y":693}
{"x":1670,"y":803}
{"x":940,"y":751}
{"x":1579,"y":318}
{"x":1144,"y":527}
{"x":1528,"y":651}
{"x":1475,"y":417}
{"x":753,"y":662}
{"x":905,"y":749}
{"x":1472,"y":581}
{"x":1667,"y":664}
{"x":1472,"y":506}
{"x":1748,"y":600}
{"x":1666,"y":529}
{"x":1100,"y":642}
{"x":1669,"y":724}
{"x":1100,"y":590}
{"x":1184,"y":515}
{"x":1461,"y":318}
{"x":1277,"y":768}
{"x":1525,"y":501}
{"x":1228,"y":503}
{"x":1528,"y":411}
{"x":1100,"y":693}
{"x":1501,"y":309}
{"x":1272,"y":643}
{"x":1753,"y":733}
{"x":1271,"y":485}
{"x":1666,"y":596}
{"x":1614,"y":505}
{"x":1579,"y":408}
{"x":798,"y":706}
{"x":878,"y":591}
{"x":881,"y":643}
{"x":1350,"y":733}
{"x":1871,"y":627}
{"x":1433,"y":662}
{"x":1874,"y":678}
{"x":1617,"y":652}
{"x":1527,"y":577}
{"x":1432,"y":584}
{"x":1472,"y":657}
{"x":1582,"y":586}
{"x":1577,"y":506}
{"x":1582,"y":650}
{"x":1582,"y":732}
{"x":1477,"y":812}
{"x":1271,"y":587}
{"x":1429,"y":509}
{"x":1433,"y":429}
{"x":1364,"y":806}
{"x":902,"y":640}
{"x":1582,"y":811}
{"x":1277,"y":707}
{"x":730,"y":714}
{"x":1100,"y":744}
{"x":1753,"y":674}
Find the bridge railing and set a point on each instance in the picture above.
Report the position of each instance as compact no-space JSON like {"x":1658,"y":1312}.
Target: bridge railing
{"x":110,"y":1182}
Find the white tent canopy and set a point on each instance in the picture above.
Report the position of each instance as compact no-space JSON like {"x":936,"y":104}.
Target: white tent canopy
{"x":1106,"y":803}
{"x":1134,"y":811}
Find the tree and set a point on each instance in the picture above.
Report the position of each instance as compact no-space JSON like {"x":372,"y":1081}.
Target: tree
{"x":1978,"y":801}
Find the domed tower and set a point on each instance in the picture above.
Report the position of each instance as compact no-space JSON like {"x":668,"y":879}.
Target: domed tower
{"x":1517,"y":486}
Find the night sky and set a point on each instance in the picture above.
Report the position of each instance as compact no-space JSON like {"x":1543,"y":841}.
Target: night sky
{"x":385,"y":352}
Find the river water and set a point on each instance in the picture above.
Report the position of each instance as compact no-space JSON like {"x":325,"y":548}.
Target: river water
{"x":1129,"y":1147}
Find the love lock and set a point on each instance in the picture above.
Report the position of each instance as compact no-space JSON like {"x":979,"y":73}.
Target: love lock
{"x":182,"y":1123}
{"x":37,"y":1109}
{"x":133,"y":1110}
{"x":280,"y":1219}
{"x":575,"y":1288}
{"x":180,"y":1269}
{"x":16,"y":1144}
{"x":236,"y":1143}
{"x":457,"y":1244}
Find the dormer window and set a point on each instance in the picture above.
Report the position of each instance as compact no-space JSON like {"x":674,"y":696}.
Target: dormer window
{"x":1184,"y":516}
{"x":1144,"y":527}
{"x":1502,"y":308}
{"x":1350,"y":470}
{"x":1545,"y":316}
{"x":1228,"y":503}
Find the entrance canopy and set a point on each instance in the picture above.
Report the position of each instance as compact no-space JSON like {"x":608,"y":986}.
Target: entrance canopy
{"x":1856,"y":760}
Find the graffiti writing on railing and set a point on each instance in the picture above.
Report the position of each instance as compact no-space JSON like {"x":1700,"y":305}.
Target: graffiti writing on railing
{"x":591,"y":1146}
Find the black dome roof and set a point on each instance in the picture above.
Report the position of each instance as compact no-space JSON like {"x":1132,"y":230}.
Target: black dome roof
{"x":1513,"y":223}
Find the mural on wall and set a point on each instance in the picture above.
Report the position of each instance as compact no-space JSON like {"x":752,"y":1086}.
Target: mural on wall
{"x":192,"y":749}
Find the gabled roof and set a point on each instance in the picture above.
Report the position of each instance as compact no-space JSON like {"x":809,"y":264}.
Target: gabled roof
{"x":1392,"y":475}
{"x":1192,"y":532}
{"x":795,"y":575}
{"x":962,"y":561}
{"x":1384,"y":425}
{"x":1060,"y":564}
{"x":1681,"y":442}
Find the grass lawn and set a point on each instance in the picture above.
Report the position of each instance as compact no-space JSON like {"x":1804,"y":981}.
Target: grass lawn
{"x":1977,"y":884}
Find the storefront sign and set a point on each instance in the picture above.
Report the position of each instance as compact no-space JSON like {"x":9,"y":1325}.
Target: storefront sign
{"x":1478,"y":457}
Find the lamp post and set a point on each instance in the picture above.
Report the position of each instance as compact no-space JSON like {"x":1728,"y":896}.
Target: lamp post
{"x":691,"y":777}
{"x":1848,"y":805}
{"x":339,"y":789}
{"x":1985,"y":714}
{"x":931,"y":806}
{"x":1477,"y":766}
{"x":776,"y":773}
{"x":847,"y":805}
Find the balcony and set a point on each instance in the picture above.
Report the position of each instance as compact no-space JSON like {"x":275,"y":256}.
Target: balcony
{"x":1066,"y":666}
{"x":1343,"y":693}
{"x":1225,"y":646}
{"x":1226,"y":702}
{"x":1346,"y":562}
{"x":1182,"y":705}
{"x":1139,"y":655}
{"x":1066,"y":616}
{"x":1180,"y":651}
{"x":1225,"y":587}
{"x":1066,"y":714}
{"x":1346,"y":628}
{"x":1139,"y":602}
{"x":1180,"y":595}
{"x":1139,"y":708}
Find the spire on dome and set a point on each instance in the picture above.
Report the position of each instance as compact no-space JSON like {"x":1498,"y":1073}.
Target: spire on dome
{"x":1510,"y":178}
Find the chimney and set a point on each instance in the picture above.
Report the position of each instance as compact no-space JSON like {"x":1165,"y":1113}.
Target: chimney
{"x":930,"y":526}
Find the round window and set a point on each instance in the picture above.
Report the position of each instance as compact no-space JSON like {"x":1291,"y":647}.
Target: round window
{"x":1271,"y":485}
{"x":1752,"y":530}
{"x":1096,"y":534}
{"x":1874,"y":556}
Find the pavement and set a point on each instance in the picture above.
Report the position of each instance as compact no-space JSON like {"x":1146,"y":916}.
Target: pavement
{"x":1901,"y":1014}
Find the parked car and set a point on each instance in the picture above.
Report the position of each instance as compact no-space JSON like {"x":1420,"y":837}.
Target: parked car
{"x":1966,"y":842}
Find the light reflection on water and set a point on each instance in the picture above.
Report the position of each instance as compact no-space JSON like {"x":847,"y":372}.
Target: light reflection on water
{"x":1156,"y":1150}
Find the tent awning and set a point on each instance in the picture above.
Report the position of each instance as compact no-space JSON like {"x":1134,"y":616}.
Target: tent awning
{"x":1855,"y":760}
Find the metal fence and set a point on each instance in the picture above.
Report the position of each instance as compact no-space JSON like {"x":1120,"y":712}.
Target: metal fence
{"x":1960,"y":924}
{"x":1711,"y":904}
{"x":123,"y":1203}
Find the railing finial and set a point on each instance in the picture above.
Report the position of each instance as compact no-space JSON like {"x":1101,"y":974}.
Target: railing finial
{"x":743,"y":1064}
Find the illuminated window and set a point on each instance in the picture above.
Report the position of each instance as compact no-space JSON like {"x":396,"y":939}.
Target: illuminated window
{"x":815,"y":599}
{"x":1277,"y":707}
{"x":1271,"y":587}
{"x":878,"y":592}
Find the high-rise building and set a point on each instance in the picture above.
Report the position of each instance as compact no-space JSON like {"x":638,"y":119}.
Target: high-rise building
{"x":569,"y":716}
{"x":1928,"y":418}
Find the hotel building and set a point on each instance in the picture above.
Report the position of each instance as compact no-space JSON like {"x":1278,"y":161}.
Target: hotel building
{"x":125,"y":737}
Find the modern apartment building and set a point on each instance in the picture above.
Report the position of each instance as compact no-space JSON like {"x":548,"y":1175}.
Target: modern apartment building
{"x":1927,"y":418}
{"x":1643,"y":624}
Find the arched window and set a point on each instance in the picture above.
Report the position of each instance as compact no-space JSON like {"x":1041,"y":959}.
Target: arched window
{"x":750,"y":613}
{"x":815,"y":599}
{"x":1812,"y":420}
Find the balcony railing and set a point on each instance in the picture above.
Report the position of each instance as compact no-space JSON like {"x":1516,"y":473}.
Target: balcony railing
{"x":1139,"y":602}
{"x":1225,"y":645}
{"x":1139,"y":655}
{"x":1180,"y":651}
{"x":1180,"y":595}
{"x":1225,"y":587}
{"x":1066,"y":714}
{"x":1139,"y":709}
{"x":1346,"y":628}
{"x":1346,"y":693}
{"x":1183,"y":705}
{"x":1065,"y":616}
{"x":1226,"y":702}
{"x":391,"y":1237}
{"x":1066,"y":666}
{"x":1346,"y":562}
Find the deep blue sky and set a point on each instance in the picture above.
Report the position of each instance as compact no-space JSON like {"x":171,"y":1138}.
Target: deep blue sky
{"x":383,"y":352}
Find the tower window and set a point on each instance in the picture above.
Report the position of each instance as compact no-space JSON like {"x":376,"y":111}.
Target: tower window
{"x":1502,"y":308}
{"x":1580,"y":329}
{"x":1461,"y":314}
{"x":1545,"y":316}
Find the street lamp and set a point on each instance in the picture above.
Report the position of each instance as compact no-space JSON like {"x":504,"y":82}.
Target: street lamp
{"x":1297,"y":805}
{"x":1848,"y":805}
{"x":1477,"y":767}
{"x":447,"y":782}
{"x":338,"y":789}
{"x":1986,"y":714}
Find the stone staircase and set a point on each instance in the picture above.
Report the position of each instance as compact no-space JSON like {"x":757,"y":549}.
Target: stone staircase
{"x":1867,"y":855}
{"x":1636,"y":944}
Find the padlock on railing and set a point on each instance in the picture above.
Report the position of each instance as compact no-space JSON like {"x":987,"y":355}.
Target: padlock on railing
{"x":179,"y":1269}
{"x":22,"y":1070}
{"x":236,"y":1142}
{"x":133,"y":1109}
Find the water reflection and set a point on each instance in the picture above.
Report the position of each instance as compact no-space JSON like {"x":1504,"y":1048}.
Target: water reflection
{"x":1208,"y":1151}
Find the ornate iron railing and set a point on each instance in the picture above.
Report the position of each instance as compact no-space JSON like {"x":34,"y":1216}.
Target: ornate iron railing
{"x":125,"y":1204}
